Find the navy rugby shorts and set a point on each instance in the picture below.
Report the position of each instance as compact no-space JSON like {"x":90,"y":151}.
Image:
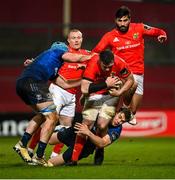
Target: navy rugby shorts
{"x":32,"y":91}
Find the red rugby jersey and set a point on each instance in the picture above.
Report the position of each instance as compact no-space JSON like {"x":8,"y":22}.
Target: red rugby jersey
{"x":130,"y":45}
{"x":73,"y":71}
{"x":94,"y":73}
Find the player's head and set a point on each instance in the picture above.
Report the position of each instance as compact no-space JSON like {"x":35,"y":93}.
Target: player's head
{"x":106,"y":60}
{"x":59,"y":45}
{"x":124,"y":115}
{"x":75,"y":39}
{"x":123,"y":19}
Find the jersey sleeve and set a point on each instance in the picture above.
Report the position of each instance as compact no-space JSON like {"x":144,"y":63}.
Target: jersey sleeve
{"x":102,"y":44}
{"x":91,"y":69}
{"x":85,"y":52}
{"x":124,"y":70}
{"x":114,"y":133}
{"x":152,"y":31}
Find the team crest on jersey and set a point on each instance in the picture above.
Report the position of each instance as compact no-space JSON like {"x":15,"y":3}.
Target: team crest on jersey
{"x":136,"y":35}
{"x":114,"y":136}
{"x":116,"y":39}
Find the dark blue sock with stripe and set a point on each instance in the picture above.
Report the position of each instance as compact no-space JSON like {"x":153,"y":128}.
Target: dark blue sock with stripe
{"x":25,"y":139}
{"x":41,"y":149}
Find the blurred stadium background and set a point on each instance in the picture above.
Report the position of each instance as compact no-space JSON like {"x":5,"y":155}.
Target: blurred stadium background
{"x":29,"y":27}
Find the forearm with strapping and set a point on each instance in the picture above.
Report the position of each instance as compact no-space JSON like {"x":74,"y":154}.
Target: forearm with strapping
{"x":93,"y":87}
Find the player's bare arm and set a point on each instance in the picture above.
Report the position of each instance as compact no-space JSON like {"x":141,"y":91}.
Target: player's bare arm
{"x":160,"y":33}
{"x":73,"y":57}
{"x":98,"y":141}
{"x":129,"y":81}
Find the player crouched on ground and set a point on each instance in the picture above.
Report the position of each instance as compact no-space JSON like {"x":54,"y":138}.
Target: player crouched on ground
{"x":68,"y":135}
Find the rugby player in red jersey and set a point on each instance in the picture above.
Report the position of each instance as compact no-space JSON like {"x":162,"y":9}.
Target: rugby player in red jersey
{"x":102,"y":73}
{"x":127,"y":41}
{"x":70,"y":72}
{"x":65,"y":86}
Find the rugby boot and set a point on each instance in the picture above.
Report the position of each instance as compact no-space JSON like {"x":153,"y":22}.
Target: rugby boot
{"x":23,"y":152}
{"x":41,"y":161}
{"x":133,"y":120}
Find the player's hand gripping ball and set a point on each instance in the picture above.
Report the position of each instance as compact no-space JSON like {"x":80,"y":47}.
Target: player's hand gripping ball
{"x":119,"y":84}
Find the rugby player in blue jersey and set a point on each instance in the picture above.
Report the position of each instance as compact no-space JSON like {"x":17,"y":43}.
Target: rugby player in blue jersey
{"x":67,"y":136}
{"x":32,"y":88}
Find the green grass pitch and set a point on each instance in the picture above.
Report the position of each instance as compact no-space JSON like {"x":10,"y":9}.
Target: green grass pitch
{"x":128,"y":158}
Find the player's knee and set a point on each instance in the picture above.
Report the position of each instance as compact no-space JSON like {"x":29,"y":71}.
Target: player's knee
{"x":50,"y":142}
{"x":102,"y":124}
{"x":90,"y":114}
{"x":101,"y":127}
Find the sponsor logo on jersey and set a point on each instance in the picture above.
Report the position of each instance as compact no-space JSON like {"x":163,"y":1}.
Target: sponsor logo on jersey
{"x":116,"y":39}
{"x":128,"y":46}
{"x":72,"y":66}
{"x":149,"y":124}
{"x":77,"y":66}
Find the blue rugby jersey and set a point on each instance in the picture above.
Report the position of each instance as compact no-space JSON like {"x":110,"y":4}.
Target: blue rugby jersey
{"x":114,"y":132}
{"x":47,"y":64}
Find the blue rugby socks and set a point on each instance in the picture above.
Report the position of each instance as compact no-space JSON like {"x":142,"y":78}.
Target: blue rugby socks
{"x":25,"y":139}
{"x":41,"y":149}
